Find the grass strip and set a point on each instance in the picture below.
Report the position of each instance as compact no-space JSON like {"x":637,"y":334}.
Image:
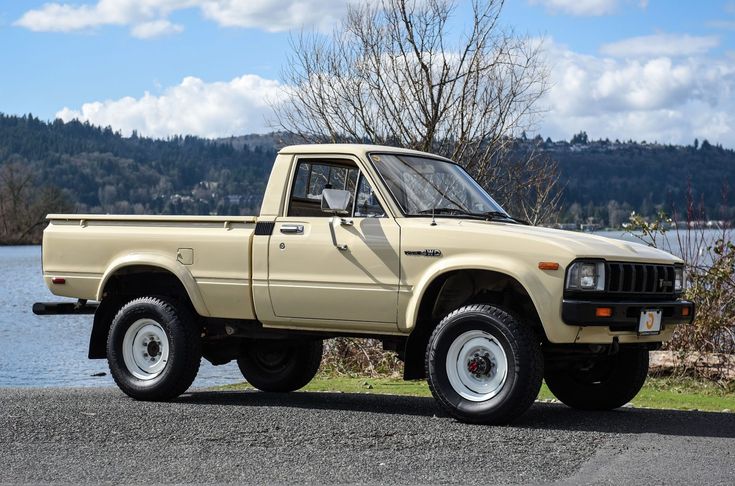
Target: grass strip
{"x":661,"y":393}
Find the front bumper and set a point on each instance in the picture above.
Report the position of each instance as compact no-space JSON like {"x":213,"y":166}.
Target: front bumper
{"x":625,"y":314}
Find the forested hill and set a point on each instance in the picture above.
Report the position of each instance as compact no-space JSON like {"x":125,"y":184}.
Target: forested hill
{"x":101,"y":171}
{"x":607,"y":180}
{"x":98,"y":170}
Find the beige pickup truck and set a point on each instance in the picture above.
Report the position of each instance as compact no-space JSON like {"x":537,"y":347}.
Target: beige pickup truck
{"x":369,"y":241}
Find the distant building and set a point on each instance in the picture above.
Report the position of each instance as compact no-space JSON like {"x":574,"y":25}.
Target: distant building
{"x":565,"y":226}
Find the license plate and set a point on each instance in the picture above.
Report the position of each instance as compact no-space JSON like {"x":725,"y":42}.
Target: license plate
{"x":650,"y":321}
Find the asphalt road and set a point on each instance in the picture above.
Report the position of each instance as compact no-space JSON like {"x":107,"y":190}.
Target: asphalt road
{"x":101,"y":436}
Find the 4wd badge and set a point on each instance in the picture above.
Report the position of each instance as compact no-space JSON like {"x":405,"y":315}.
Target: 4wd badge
{"x":426,"y":253}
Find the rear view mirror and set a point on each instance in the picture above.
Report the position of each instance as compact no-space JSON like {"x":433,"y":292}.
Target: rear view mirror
{"x":335,"y":201}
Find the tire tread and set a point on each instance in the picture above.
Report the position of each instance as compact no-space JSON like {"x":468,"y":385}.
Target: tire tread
{"x":188,"y":369}
{"x":624,"y":386}
{"x":308,"y":356}
{"x":530,"y":353}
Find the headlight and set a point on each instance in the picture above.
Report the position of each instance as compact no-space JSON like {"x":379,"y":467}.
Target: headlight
{"x":586,"y":276}
{"x":678,"y":279}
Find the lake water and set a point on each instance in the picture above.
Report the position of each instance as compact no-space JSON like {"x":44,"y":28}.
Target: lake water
{"x":41,"y":351}
{"x":52,"y":350}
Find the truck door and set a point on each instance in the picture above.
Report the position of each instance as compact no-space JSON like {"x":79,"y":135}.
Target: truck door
{"x":334,"y":268}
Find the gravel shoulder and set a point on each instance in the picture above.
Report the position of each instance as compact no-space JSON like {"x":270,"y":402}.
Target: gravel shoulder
{"x":101,"y":436}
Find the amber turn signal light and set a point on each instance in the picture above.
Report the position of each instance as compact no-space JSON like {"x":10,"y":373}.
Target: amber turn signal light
{"x":603,"y":312}
{"x":548,"y":265}
{"x":685,"y":311}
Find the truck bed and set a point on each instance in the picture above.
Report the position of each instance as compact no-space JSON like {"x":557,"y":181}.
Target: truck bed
{"x":209,"y":254}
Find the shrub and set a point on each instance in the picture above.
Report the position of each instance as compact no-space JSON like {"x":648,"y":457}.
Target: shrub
{"x":709,"y":257}
{"x":355,"y":356}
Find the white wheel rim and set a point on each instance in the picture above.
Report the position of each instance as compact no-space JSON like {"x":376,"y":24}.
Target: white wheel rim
{"x":477,"y":366}
{"x":145,"y":349}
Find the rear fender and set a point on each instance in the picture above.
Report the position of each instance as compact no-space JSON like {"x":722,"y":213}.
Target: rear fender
{"x":163,"y":262}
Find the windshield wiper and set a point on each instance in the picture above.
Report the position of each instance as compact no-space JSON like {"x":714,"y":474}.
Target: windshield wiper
{"x":500,"y":216}
{"x":449,"y":211}
{"x":487,"y":215}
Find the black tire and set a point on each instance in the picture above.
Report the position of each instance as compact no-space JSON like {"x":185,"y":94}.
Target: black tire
{"x":184,"y":349}
{"x":280,"y":366}
{"x":524,"y":370}
{"x":609,"y":383}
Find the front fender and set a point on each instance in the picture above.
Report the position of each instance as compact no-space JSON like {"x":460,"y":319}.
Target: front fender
{"x":540,"y":285}
{"x":158,"y":260}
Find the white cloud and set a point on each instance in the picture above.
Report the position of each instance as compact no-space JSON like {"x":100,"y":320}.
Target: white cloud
{"x":579,"y":7}
{"x":664,"y":99}
{"x":586,"y":8}
{"x":194,"y":107}
{"x":55,"y":17}
{"x":274,"y":15}
{"x":656,"y":98}
{"x":722,"y":24}
{"x":672,"y":45}
{"x":148,"y":18}
{"x":155,"y":28}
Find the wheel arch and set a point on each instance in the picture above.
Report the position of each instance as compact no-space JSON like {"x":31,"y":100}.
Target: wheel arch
{"x":453,"y":286}
{"x":134,"y":276}
{"x":138,"y":263}
{"x":518,"y":271}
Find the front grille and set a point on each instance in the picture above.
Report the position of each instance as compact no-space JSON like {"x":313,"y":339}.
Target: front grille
{"x":639,"y":278}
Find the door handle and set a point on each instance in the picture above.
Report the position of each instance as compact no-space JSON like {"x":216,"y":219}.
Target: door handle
{"x":294,"y":229}
{"x":346,"y":222}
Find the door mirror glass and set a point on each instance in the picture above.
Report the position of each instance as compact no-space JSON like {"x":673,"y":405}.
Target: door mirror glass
{"x":336,"y":201}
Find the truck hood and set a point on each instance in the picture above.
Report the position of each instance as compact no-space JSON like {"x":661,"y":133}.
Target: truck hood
{"x":576,"y":245}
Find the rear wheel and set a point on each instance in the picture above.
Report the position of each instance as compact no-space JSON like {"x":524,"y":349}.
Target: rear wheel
{"x":604,"y":384}
{"x":279,"y":366}
{"x":484,"y":365}
{"x":153,"y":349}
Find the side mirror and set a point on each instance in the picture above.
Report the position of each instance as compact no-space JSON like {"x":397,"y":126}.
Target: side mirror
{"x":336,"y":201}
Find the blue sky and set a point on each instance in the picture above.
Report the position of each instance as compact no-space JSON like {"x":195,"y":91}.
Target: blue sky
{"x":656,"y":70}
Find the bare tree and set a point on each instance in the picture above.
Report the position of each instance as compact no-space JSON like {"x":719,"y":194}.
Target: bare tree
{"x":15,"y":185}
{"x":528,"y":183}
{"x":23,"y":205}
{"x":394,"y":74}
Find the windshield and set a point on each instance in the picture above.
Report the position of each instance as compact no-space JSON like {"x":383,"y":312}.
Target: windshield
{"x":421,"y":186}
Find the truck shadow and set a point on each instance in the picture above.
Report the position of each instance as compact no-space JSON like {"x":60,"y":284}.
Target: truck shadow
{"x":543,"y":416}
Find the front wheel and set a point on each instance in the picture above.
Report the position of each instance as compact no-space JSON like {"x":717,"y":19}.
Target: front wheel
{"x":153,"y":349}
{"x":484,"y":365}
{"x":280,"y":366}
{"x":607,"y":383}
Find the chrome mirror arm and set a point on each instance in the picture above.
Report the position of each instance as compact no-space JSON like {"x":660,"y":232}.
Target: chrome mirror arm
{"x":332,"y":222}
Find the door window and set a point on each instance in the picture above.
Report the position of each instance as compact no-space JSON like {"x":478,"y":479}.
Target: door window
{"x":312,"y":177}
{"x":366,"y":203}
